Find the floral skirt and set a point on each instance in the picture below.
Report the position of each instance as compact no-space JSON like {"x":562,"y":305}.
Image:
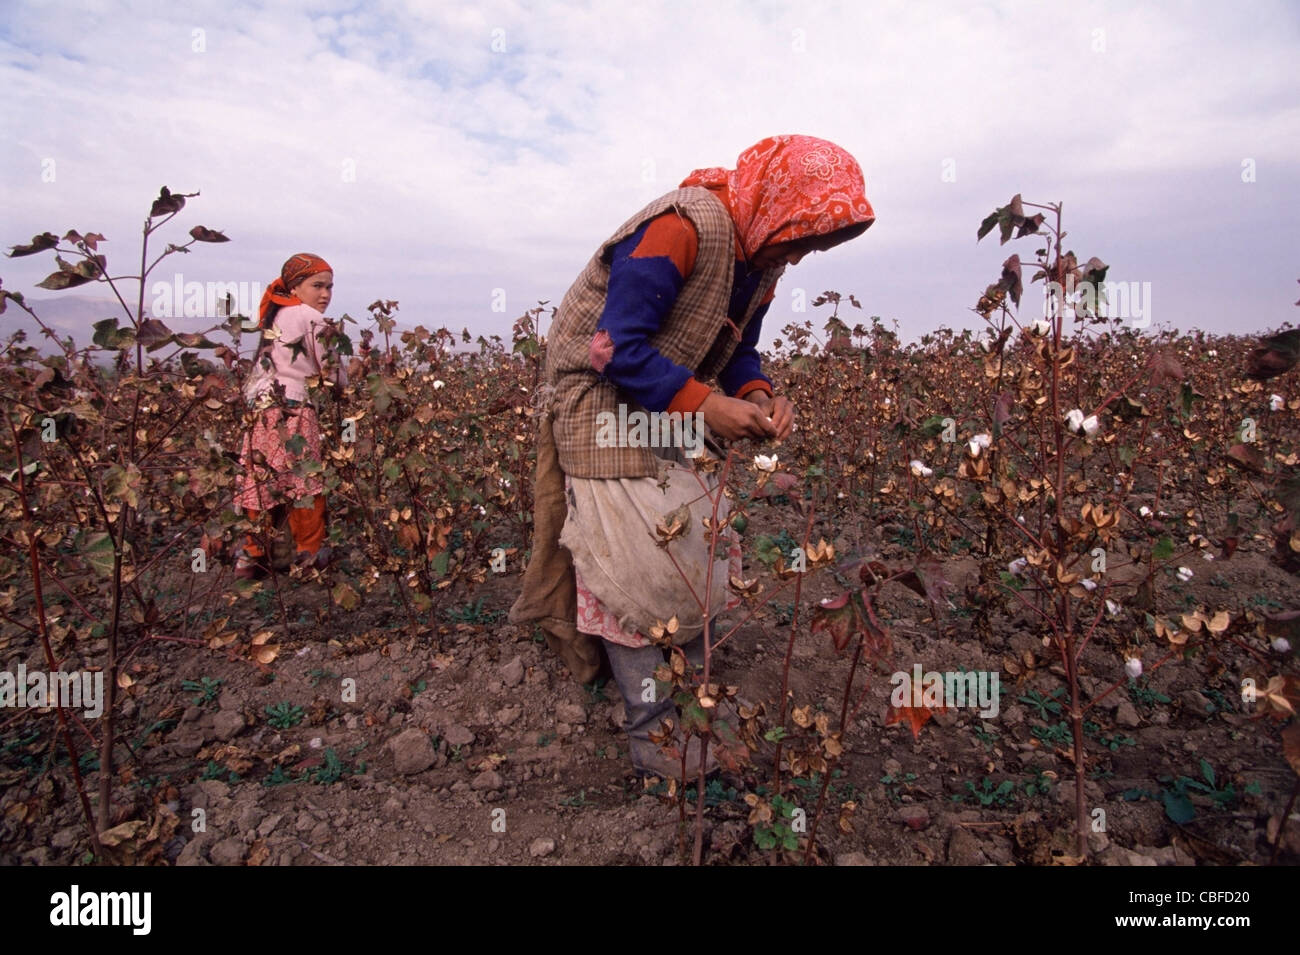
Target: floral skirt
{"x":272,"y":433}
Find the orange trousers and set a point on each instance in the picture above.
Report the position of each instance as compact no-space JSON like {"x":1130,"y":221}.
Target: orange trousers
{"x":306,"y":524}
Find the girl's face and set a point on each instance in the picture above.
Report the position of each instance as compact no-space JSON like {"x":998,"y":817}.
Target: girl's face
{"x":315,"y":290}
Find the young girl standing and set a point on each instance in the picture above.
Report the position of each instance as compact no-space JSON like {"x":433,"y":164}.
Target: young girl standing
{"x":671,"y":302}
{"x":292,"y":317}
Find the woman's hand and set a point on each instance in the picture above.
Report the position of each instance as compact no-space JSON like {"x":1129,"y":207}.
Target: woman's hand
{"x":733,"y":418}
{"x":779,"y":409}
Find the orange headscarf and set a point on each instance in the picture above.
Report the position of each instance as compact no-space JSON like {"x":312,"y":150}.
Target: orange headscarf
{"x":789,"y":187}
{"x":301,"y":266}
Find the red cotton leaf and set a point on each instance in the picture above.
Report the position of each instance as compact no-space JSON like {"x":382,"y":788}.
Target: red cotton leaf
{"x":1165,"y":367}
{"x":1011,"y":280}
{"x":203,"y":234}
{"x":1291,"y":747}
{"x":839,"y":617}
{"x":40,"y":243}
{"x":914,"y":716}
{"x":1247,"y":457}
{"x":1001,"y":410}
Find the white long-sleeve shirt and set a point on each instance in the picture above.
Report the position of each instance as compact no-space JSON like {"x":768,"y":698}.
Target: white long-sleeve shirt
{"x":292,"y":369}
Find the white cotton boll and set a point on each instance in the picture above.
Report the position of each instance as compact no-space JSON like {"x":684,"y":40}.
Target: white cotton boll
{"x":1281,"y":644}
{"x":1018,"y":566}
{"x":1133,"y":667}
{"x":1041,"y":327}
{"x":765,"y":463}
{"x":919,"y":469}
{"x":1089,"y":584}
{"x":1112,"y":608}
{"x":316,"y":742}
{"x":1144,"y":511}
{"x":979,"y":443}
{"x":1206,"y":555}
{"x":1074,"y":419}
{"x":1091,"y":425}
{"x":986,"y":344}
{"x":439,"y":385}
{"x":1185,"y":574}
{"x":1213,"y":353}
{"x":1276,"y":402}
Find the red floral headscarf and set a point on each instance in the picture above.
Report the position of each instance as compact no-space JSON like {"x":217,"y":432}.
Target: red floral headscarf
{"x":299,"y":267}
{"x":789,"y":187}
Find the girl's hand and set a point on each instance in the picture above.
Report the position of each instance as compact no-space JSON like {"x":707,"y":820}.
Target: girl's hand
{"x":779,"y":409}
{"x":733,"y":418}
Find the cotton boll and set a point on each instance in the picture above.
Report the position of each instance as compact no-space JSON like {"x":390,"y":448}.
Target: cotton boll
{"x":1088,"y":584}
{"x":1276,"y":402}
{"x":1091,"y":425}
{"x":1041,"y":327}
{"x":1018,"y":566}
{"x":439,"y":385}
{"x":919,"y":469}
{"x":1133,"y":667}
{"x":1281,"y":644}
{"x":1074,"y":419}
{"x":1185,"y":574}
{"x":1144,"y":511}
{"x":1112,"y":608}
{"x":765,"y":463}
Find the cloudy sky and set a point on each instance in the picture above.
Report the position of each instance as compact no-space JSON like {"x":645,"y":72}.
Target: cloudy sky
{"x":466,"y":159}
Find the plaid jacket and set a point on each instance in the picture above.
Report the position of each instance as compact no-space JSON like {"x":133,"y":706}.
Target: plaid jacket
{"x":697,"y":334}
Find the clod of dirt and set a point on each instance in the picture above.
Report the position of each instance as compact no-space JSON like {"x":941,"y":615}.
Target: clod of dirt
{"x":541,"y":847}
{"x":412,"y":751}
{"x":487,"y":781}
{"x":457,"y":735}
{"x":570,"y":713}
{"x":1127,"y":715}
{"x":512,"y":673}
{"x":227,"y":852}
{"x":964,"y":848}
{"x":227,"y":724}
{"x":914,"y":817}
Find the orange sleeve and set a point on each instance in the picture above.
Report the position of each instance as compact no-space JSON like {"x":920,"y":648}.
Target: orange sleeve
{"x":673,"y":236}
{"x":758,"y":384}
{"x":689,"y":398}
